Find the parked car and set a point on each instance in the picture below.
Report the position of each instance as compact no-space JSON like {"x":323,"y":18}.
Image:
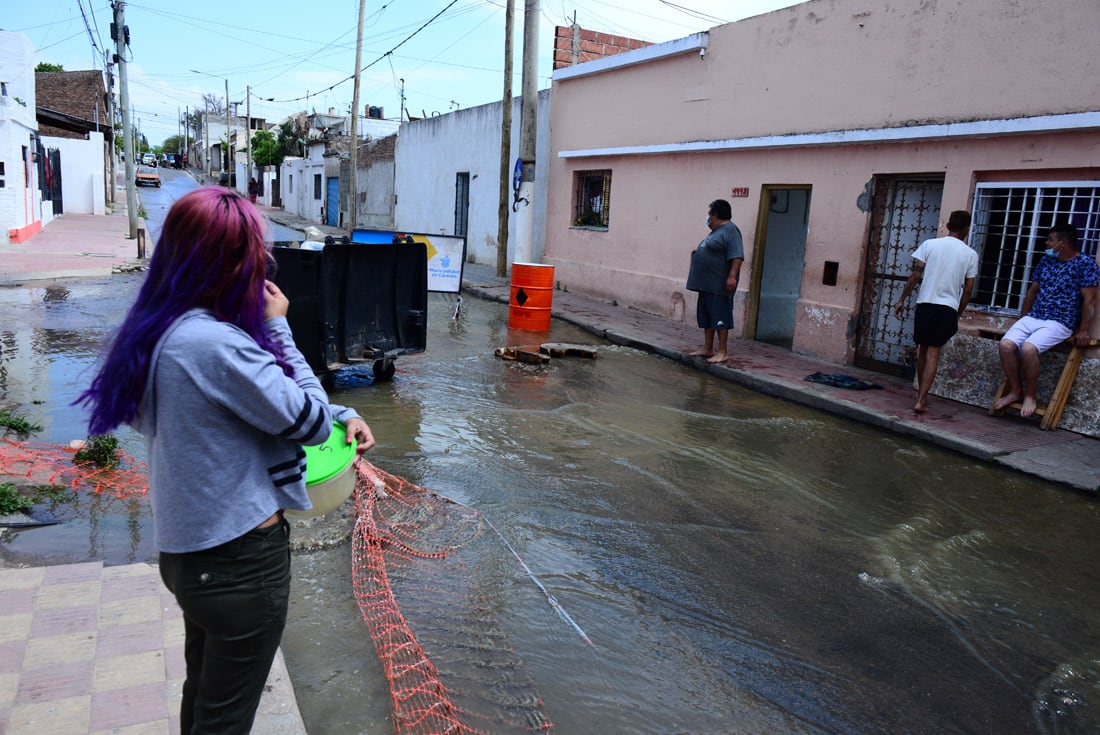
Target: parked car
{"x":149,"y":159}
{"x":227,"y":179}
{"x":147,"y":176}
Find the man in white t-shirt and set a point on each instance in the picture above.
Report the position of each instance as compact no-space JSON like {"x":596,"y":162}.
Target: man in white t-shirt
{"x":946,"y":268}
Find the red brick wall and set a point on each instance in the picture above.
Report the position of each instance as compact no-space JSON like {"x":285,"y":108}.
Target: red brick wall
{"x":589,"y":45}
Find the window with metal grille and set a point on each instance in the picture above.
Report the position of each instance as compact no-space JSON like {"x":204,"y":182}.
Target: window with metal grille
{"x":592,"y":198}
{"x":317,"y":186}
{"x":1011,"y":221}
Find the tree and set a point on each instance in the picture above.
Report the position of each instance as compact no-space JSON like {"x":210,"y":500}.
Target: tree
{"x":47,"y":66}
{"x":291,"y":139}
{"x":214,"y":104}
{"x":265,"y":149}
{"x":173,"y":144}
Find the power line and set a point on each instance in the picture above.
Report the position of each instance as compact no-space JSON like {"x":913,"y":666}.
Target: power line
{"x":360,"y":71}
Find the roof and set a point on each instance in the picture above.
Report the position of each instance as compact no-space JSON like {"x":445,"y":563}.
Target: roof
{"x":71,"y":103}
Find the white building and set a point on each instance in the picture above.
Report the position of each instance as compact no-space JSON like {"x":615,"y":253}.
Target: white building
{"x":21,"y":214}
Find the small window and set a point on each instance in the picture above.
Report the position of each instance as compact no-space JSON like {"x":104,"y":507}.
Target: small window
{"x":317,"y":186}
{"x":592,"y":198}
{"x":290,"y":183}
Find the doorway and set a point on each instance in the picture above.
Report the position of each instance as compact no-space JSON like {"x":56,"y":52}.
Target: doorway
{"x":905,"y":211}
{"x":462,"y":203}
{"x":778,"y":263}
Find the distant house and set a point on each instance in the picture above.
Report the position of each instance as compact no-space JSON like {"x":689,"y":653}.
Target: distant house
{"x":72,"y":106}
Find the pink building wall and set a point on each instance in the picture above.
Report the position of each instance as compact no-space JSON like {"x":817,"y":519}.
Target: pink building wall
{"x":828,"y":94}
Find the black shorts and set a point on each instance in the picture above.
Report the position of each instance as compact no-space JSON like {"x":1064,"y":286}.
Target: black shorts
{"x":714,"y":310}
{"x":934,"y":324}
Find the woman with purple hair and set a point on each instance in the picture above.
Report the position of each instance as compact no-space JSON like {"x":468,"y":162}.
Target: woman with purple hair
{"x":205,"y":368}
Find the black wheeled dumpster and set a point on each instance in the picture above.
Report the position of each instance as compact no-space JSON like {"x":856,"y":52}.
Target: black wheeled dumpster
{"x":354,"y":304}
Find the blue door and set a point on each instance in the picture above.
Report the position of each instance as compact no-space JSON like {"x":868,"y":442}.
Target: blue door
{"x":332,"y":203}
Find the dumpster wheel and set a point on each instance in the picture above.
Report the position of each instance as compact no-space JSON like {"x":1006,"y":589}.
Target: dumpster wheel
{"x":383,"y":370}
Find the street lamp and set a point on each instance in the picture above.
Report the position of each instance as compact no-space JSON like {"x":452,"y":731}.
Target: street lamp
{"x":225,"y":153}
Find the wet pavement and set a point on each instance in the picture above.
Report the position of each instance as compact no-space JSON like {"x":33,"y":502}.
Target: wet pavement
{"x":90,"y":687}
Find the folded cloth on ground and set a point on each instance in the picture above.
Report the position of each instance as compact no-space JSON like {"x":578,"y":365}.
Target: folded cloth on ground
{"x":840,"y":380}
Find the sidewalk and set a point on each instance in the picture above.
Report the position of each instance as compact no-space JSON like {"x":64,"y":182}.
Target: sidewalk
{"x":91,"y":649}
{"x":75,"y":245}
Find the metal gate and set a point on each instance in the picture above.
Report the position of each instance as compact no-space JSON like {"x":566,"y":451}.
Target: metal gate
{"x":906,"y":211}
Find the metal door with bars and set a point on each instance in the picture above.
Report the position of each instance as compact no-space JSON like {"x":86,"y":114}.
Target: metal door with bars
{"x":906,"y":211}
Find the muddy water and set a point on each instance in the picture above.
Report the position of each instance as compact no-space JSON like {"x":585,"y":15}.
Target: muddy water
{"x":740,"y":564}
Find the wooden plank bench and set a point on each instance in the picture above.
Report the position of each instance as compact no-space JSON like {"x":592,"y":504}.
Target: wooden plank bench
{"x":1051,"y":411}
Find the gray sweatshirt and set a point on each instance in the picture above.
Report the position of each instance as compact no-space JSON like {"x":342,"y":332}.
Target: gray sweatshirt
{"x":223,"y":430}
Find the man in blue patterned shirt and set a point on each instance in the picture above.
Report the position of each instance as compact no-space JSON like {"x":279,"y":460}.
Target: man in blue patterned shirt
{"x":1060,"y":303}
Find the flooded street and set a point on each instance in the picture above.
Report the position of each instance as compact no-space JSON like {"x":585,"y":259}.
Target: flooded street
{"x":740,"y":564}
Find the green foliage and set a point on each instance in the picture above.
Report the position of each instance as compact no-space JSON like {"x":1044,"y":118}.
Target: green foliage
{"x":172,"y":144}
{"x":291,"y":140}
{"x":265,"y":149}
{"x":17,"y":423}
{"x":52,"y":493}
{"x":102,"y":451}
{"x":13,"y":502}
{"x":47,"y":66}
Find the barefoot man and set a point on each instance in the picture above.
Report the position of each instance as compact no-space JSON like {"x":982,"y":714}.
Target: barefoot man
{"x":714,"y":273}
{"x":1060,"y":303}
{"x":945,"y":268}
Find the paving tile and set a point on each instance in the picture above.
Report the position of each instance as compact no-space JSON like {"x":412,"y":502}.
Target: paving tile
{"x":59,"y":649}
{"x":15,"y":627}
{"x":19,"y":600}
{"x":128,"y":706}
{"x":55,"y":682}
{"x":11,"y":656}
{"x":129,"y":611}
{"x":68,"y":594}
{"x":120,"y":640}
{"x":58,"y":620}
{"x":157,"y":727}
{"x":68,"y":716}
{"x":14,"y":579}
{"x":123,"y":586}
{"x":9,"y":685}
{"x":70,"y":573}
{"x":136,"y":669}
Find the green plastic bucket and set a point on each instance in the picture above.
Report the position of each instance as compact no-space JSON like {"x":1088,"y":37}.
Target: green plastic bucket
{"x":330,"y":476}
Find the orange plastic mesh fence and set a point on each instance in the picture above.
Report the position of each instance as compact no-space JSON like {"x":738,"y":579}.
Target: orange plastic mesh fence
{"x":408,"y":573}
{"x":52,"y":464}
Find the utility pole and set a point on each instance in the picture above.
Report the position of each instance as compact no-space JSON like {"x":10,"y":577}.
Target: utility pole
{"x":121,"y":35}
{"x":525,"y":222}
{"x":505,"y":143}
{"x":248,"y":126}
{"x":225,"y":153}
{"x":353,"y":188}
{"x":206,"y":138}
{"x":113,"y":172}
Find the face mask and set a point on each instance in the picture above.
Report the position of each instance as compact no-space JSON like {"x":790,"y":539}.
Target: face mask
{"x":1049,"y":251}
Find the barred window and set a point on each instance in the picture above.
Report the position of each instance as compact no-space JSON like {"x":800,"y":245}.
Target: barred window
{"x":1009,"y":232}
{"x":592,"y":198}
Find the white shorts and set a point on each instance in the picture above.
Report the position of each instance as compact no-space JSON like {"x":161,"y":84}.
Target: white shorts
{"x":1042,"y":333}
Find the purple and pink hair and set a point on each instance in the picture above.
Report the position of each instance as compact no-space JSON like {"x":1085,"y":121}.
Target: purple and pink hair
{"x":211,"y":254}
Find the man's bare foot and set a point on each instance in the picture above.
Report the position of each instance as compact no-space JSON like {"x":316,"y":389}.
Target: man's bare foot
{"x":701,"y":353}
{"x":720,"y":357}
{"x":1007,"y":401}
{"x":921,"y":407}
{"x":1027,"y":408}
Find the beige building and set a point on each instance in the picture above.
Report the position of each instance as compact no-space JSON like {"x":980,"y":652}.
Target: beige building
{"x":843,"y":132}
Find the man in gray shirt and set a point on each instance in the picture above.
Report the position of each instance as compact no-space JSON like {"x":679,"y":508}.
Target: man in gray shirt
{"x":714,"y":274}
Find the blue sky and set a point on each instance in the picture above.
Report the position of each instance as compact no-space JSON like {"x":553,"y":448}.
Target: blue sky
{"x":301,"y":55}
